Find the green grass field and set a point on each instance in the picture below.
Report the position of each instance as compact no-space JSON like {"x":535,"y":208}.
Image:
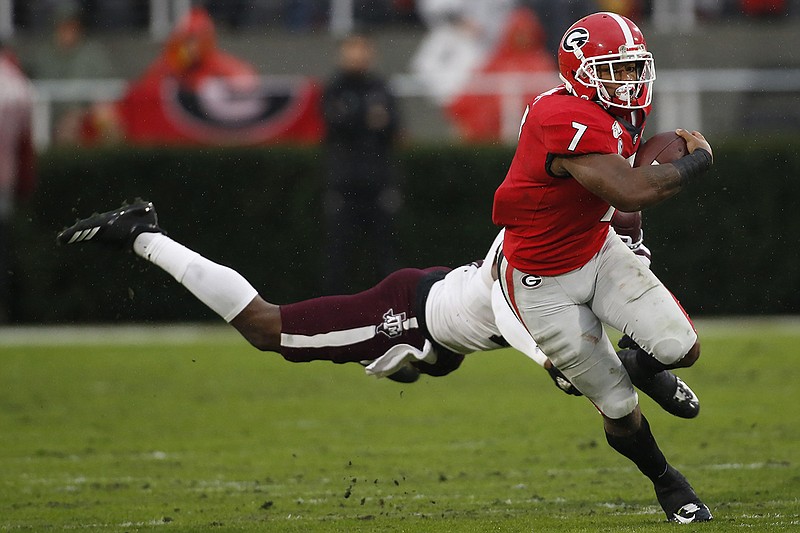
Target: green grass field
{"x":192,"y":430}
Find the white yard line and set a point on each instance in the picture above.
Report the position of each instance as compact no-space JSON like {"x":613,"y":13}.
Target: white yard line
{"x":136,"y":334}
{"x":171,"y":333}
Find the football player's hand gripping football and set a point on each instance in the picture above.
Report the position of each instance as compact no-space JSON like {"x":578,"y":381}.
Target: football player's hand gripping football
{"x":695,"y":140}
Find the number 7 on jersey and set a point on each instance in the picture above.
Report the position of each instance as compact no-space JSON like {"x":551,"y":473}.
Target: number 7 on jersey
{"x":580,"y":129}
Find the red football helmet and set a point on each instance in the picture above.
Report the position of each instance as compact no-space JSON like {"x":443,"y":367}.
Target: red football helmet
{"x":595,"y":56}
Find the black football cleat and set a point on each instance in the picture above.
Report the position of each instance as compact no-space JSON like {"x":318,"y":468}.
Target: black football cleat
{"x":668,"y":390}
{"x":678,"y":499}
{"x":116,"y":228}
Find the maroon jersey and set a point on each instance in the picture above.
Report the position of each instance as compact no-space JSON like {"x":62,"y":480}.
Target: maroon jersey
{"x":553,"y":224}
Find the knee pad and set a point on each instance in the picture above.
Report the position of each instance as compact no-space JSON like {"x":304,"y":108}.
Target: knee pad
{"x":673,"y":345}
{"x":619,"y":402}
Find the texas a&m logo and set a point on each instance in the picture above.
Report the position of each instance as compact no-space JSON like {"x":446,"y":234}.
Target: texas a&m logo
{"x":392,"y":325}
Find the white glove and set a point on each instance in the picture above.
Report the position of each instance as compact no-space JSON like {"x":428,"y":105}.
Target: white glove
{"x":397,"y":357}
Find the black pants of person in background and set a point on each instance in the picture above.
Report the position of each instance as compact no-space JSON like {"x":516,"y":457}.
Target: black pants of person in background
{"x":359,"y":236}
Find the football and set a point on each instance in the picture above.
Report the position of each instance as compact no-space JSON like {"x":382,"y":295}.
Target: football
{"x":660,"y":148}
{"x":628,"y":224}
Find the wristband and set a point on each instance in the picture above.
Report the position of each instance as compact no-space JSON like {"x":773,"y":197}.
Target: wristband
{"x":692,"y":165}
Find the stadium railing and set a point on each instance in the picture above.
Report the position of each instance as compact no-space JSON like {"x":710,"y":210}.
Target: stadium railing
{"x":679,"y":92}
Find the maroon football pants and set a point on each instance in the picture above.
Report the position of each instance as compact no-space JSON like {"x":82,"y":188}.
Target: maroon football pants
{"x":356,"y":327}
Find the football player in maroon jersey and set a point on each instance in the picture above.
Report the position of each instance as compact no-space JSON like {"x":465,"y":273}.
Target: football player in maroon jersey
{"x":414,"y":321}
{"x":563,"y":270}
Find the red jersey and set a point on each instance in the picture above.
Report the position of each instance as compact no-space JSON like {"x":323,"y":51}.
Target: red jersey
{"x":553,"y":224}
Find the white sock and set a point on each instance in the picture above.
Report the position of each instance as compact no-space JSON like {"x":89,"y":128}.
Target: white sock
{"x":222,"y":289}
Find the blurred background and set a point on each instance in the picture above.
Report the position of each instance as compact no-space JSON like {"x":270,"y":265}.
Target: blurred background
{"x":217,"y":111}
{"x":715,"y":45}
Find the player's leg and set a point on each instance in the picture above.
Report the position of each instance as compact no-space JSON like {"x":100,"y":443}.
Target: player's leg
{"x":341,"y":329}
{"x":564,"y":327}
{"x":630,"y":298}
{"x":360,"y":324}
{"x":631,"y":437}
{"x":355,"y":327}
{"x":260,"y":323}
{"x":574,"y":339}
{"x":382,"y":309}
{"x":222,"y":289}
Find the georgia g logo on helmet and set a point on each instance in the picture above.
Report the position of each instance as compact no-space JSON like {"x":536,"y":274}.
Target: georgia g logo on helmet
{"x":575,"y":39}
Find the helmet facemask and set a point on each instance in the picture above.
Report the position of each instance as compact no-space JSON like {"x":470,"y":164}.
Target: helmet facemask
{"x":596,"y":72}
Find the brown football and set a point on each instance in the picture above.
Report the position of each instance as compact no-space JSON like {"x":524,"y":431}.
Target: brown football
{"x":660,"y":148}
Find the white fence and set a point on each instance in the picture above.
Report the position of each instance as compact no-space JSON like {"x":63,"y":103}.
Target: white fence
{"x":679,"y":94}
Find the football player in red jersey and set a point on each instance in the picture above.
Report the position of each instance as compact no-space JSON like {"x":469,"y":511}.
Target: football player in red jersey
{"x":563,"y":270}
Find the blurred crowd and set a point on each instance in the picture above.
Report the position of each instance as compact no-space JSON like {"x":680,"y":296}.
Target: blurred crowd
{"x":307,"y":15}
{"x":195,"y":92}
